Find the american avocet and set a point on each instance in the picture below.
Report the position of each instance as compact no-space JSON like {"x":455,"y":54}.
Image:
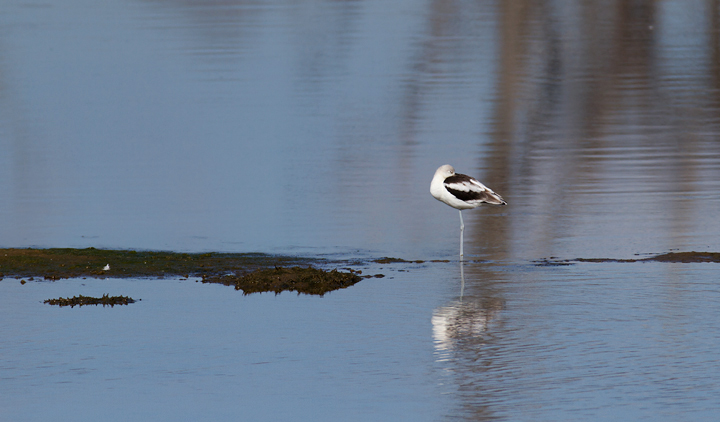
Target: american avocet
{"x":461,"y":192}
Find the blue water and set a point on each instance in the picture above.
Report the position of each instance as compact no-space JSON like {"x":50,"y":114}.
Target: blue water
{"x":314,"y":129}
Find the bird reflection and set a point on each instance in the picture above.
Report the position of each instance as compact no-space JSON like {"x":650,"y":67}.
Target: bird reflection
{"x":462,"y":320}
{"x":462,"y":279}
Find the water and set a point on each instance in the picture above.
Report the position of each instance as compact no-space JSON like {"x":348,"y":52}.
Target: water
{"x":314,"y":129}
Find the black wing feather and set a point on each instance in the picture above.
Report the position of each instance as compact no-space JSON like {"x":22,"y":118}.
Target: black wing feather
{"x":473,"y":192}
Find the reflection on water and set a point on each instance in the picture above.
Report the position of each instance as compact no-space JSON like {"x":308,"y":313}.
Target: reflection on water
{"x":467,"y":318}
{"x":281,"y":127}
{"x":605,"y":136}
{"x":314,"y":128}
{"x":462,"y":320}
{"x":585,"y":341}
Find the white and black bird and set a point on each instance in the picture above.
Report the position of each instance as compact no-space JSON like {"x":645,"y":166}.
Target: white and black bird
{"x":461,"y":192}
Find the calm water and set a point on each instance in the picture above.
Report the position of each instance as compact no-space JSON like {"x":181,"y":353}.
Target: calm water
{"x":314,"y":128}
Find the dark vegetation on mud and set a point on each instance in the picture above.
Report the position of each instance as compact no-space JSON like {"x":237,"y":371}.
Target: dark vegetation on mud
{"x":682,"y":257}
{"x":251,"y":273}
{"x":81,"y":300}
{"x":248,"y":272}
{"x":302,"y":280}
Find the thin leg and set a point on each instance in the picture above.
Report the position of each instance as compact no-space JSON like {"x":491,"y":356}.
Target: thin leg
{"x":462,"y":229}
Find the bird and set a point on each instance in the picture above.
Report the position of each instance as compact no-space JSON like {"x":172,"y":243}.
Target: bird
{"x":461,"y":192}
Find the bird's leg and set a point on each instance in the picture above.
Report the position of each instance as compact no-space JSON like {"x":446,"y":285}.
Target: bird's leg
{"x":462,"y":229}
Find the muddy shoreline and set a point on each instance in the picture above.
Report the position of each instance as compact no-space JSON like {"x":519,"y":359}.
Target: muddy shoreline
{"x":251,"y":273}
{"x":670,"y":257}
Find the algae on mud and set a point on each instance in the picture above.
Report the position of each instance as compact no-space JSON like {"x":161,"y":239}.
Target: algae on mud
{"x":225,"y":268}
{"x":670,"y":257}
{"x":105,"y":300}
{"x":302,"y":280}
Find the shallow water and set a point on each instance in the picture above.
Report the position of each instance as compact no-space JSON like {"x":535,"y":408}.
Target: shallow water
{"x":315,"y":129}
{"x":622,"y":341}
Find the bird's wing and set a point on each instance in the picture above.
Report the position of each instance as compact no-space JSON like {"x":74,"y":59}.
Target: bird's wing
{"x":467,"y":189}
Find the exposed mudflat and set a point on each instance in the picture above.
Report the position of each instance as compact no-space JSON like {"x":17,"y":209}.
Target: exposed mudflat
{"x":248,"y":272}
{"x":302,"y":280}
{"x":251,"y":273}
{"x":105,"y":300}
{"x":684,"y":257}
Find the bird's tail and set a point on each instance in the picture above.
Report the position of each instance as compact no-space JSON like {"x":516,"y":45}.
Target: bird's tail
{"x":491,"y":197}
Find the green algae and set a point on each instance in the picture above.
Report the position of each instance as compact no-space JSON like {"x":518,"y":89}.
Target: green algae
{"x":686,"y":257}
{"x":390,"y":260}
{"x":57,"y":263}
{"x":81,"y":300}
{"x":670,"y":257}
{"x":302,"y":280}
{"x":248,"y":272}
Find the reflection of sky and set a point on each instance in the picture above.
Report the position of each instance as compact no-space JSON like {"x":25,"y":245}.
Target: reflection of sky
{"x":138,"y":134}
{"x":238,"y":126}
{"x":242,"y":126}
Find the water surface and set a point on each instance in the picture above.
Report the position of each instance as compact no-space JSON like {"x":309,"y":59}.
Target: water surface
{"x":314,"y":128}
